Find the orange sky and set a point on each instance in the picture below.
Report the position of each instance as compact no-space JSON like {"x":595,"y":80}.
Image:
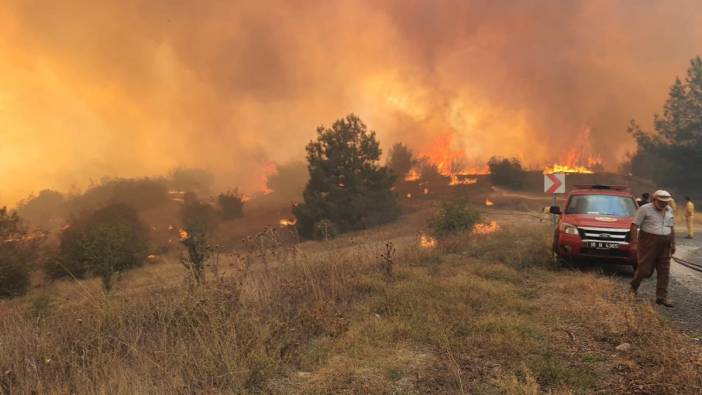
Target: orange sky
{"x":134,"y":88}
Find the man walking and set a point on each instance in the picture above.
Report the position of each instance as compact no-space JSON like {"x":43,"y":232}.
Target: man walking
{"x":655,"y":244}
{"x":690,"y":217}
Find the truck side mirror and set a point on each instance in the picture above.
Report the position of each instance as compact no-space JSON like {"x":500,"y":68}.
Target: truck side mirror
{"x":555,"y":210}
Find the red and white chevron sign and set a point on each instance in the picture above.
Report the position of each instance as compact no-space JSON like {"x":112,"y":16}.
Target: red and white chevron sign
{"x":554,"y":183}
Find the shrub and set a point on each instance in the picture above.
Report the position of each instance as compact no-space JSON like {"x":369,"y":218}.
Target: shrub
{"x":507,"y":172}
{"x":347,"y":186}
{"x":16,"y":255}
{"x":454,"y":216}
{"x":231,"y":205}
{"x":109,"y":241}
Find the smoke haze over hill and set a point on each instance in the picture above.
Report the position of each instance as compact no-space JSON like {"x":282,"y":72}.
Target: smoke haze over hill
{"x":133,"y":88}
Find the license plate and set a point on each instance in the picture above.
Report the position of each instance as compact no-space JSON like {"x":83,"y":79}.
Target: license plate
{"x":602,"y":245}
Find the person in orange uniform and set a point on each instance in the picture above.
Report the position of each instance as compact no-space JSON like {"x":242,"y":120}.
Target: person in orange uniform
{"x":690,"y":217}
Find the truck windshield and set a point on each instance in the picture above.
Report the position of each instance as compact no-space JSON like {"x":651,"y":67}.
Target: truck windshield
{"x":617,"y":206}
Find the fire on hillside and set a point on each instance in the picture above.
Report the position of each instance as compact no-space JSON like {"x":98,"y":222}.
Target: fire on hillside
{"x":579,"y":159}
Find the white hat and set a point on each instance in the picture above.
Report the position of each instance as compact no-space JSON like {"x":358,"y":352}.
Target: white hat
{"x":662,"y":195}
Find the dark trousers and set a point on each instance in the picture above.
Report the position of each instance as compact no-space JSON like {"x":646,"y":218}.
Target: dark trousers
{"x":653,"y":253}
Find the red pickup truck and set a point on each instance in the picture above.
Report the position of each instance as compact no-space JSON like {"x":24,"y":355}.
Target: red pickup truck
{"x":595,"y":225}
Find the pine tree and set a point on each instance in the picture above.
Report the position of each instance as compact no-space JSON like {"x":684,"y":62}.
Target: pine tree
{"x":672,"y":154}
{"x":347,"y":187}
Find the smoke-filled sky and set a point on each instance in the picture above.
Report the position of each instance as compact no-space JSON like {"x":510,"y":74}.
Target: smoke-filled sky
{"x":135,"y":88}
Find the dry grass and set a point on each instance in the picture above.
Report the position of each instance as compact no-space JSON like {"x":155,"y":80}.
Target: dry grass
{"x":475,"y":315}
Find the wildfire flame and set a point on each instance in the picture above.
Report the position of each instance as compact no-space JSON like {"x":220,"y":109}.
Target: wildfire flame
{"x":288,"y":222}
{"x":409,"y":196}
{"x":427,"y":241}
{"x":579,"y":159}
{"x":426,"y":191}
{"x":183,"y":234}
{"x":412,"y":176}
{"x":485,"y":229}
{"x":489,"y":202}
{"x":450,"y":161}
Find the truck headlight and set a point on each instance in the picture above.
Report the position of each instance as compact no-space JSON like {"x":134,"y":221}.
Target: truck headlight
{"x":569,"y":229}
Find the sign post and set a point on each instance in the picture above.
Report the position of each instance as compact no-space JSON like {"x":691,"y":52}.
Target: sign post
{"x":554,"y":184}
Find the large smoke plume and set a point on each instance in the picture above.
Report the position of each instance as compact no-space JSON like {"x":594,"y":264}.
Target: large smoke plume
{"x":131,"y":88}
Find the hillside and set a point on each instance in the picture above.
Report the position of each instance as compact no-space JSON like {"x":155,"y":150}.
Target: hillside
{"x":369,"y":312}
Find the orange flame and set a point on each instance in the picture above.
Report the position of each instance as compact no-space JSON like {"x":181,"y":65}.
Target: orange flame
{"x":408,"y":196}
{"x":489,"y":202}
{"x":412,"y":176}
{"x":288,"y":222}
{"x":485,"y":229}
{"x":183,"y":234}
{"x":427,"y":241}
{"x":579,"y":159}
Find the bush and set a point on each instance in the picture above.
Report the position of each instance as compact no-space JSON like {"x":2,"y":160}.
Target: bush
{"x":507,"y":172}
{"x":231,"y":205}
{"x":347,"y":186}
{"x":16,"y":255}
{"x":109,"y":241}
{"x":453,"y":217}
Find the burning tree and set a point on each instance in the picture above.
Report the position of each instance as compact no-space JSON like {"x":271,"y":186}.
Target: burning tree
{"x":672,"y":154}
{"x":347,"y":186}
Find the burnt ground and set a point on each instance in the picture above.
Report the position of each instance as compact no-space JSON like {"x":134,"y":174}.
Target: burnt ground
{"x":685,"y":287}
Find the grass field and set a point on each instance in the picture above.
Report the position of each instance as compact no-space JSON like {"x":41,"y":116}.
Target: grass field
{"x":370,"y":312}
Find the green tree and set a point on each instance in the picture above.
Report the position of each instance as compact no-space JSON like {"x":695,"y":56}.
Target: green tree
{"x":401,"y":160}
{"x":672,"y":154}
{"x":107,"y":242}
{"x":347,"y":186}
{"x":506,"y":172}
{"x":17,"y":254}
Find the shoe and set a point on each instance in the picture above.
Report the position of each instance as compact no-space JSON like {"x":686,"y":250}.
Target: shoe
{"x":665,"y":302}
